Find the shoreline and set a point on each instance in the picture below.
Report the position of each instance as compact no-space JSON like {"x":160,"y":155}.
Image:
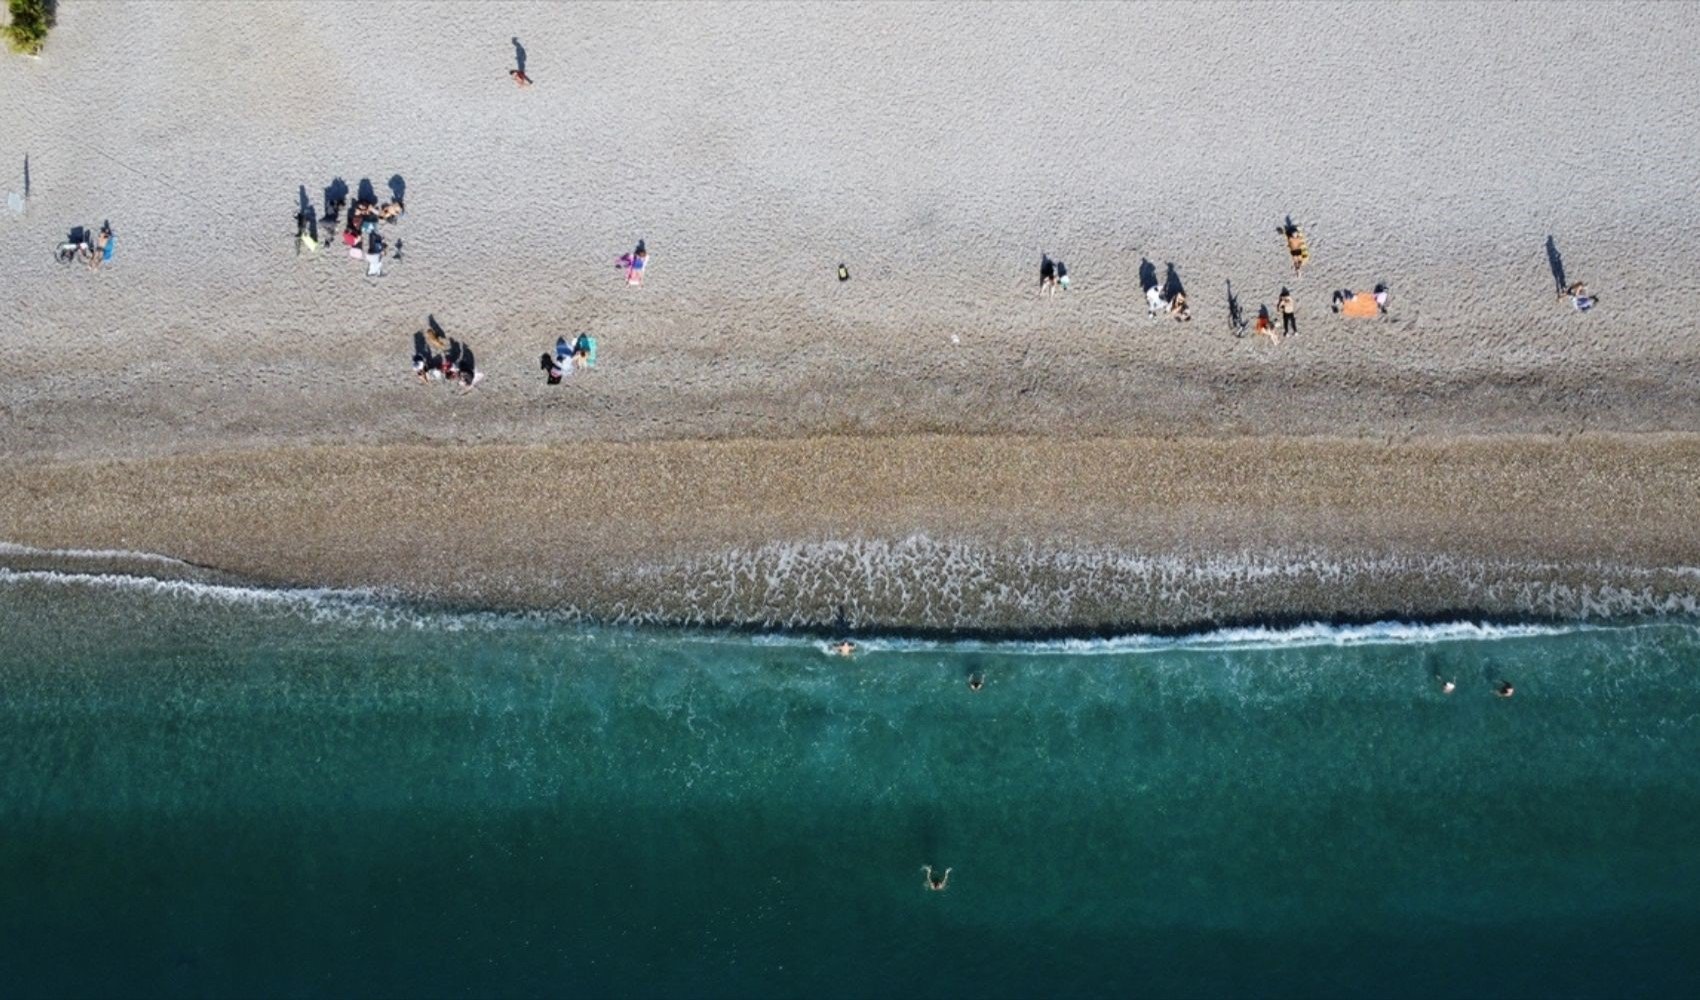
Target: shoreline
{"x":924,"y":535}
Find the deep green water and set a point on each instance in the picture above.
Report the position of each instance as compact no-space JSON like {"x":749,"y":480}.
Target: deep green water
{"x":231,"y":797}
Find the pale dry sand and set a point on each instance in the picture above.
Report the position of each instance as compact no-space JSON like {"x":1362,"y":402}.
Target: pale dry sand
{"x":936,"y":149}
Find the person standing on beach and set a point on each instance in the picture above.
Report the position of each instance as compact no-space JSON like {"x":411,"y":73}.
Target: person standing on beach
{"x":520,"y":78}
{"x":1289,"y":313}
{"x":1047,"y":274}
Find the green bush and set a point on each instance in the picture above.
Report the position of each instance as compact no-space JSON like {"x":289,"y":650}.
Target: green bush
{"x":30,"y":21}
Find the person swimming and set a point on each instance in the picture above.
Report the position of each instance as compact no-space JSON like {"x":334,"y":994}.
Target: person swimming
{"x":844,"y":647}
{"x":976,"y":681}
{"x":936,"y":883}
{"x":1447,"y":684}
{"x":1504,"y":689}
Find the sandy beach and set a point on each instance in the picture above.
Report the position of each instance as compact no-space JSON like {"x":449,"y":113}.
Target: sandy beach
{"x":930,"y":444}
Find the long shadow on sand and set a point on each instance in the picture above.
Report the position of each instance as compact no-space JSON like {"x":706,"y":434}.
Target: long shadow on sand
{"x":1236,"y":317}
{"x":519,"y":54}
{"x":1556,"y":262}
{"x":1172,"y":283}
{"x":1147,"y":275}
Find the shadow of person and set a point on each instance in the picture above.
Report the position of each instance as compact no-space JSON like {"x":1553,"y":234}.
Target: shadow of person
{"x":1147,"y":275}
{"x":336,"y":195}
{"x":305,"y":218}
{"x":1172,"y":282}
{"x":306,"y":205}
{"x":1236,"y":317}
{"x":1556,"y":262}
{"x":367,"y":196}
{"x":398,"y":189}
{"x":519,"y":54}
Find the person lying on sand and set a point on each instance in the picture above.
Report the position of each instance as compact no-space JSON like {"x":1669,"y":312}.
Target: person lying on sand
{"x":976,"y":681}
{"x":389,"y":211}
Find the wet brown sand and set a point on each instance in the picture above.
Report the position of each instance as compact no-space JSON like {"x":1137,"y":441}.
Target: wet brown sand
{"x":921,"y":532}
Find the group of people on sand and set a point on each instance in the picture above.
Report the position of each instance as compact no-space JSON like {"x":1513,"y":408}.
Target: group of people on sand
{"x":359,"y":221}
{"x":93,"y":249}
{"x":1053,"y":274}
{"x":569,"y":356}
{"x":1157,"y":300}
{"x":439,"y":357}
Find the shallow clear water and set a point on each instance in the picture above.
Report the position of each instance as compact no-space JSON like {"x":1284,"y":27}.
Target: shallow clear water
{"x":244,"y":794}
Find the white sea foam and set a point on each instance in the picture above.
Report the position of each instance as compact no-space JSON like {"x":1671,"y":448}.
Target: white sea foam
{"x":951,"y":584}
{"x":105,"y":555}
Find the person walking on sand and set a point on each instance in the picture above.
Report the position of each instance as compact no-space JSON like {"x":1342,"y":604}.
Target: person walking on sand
{"x":520,"y":78}
{"x":1289,"y":313}
{"x":1297,"y":247}
{"x":936,"y":883}
{"x":1047,"y":274}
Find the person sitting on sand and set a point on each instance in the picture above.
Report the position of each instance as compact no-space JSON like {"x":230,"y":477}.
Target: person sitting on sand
{"x":1504,"y":689}
{"x":1381,"y":298}
{"x":1583,"y":303}
{"x":633,"y":263}
{"x":1178,"y":309}
{"x":1154,"y":301}
{"x":1573,"y":291}
{"x":1265,"y":326}
{"x":390,"y":211}
{"x":936,"y":883}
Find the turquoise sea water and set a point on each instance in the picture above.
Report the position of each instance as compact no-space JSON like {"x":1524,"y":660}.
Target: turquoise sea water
{"x":219,"y":792}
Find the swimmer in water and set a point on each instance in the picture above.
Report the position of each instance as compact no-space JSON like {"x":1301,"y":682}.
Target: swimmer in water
{"x":936,"y":883}
{"x":844,"y":648}
{"x":1504,"y":689}
{"x":976,"y":681}
{"x":1447,"y":685}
